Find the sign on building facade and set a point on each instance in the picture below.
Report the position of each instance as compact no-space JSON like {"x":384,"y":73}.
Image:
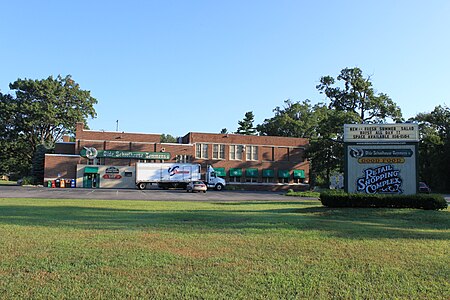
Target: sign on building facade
{"x":381,"y":158}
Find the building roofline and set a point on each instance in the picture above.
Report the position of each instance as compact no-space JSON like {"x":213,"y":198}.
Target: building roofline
{"x":64,"y":155}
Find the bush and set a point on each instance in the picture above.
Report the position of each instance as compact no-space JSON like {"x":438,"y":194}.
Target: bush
{"x":421,"y":201}
{"x":309,"y":194}
{"x":27,"y":180}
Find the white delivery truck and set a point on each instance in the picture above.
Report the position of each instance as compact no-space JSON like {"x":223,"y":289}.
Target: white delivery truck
{"x":168,"y":175}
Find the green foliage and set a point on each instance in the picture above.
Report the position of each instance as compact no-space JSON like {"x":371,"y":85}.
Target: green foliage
{"x":295,"y":119}
{"x":224,"y":131}
{"x":38,"y":162}
{"x":306,"y":194}
{"x":246,"y":125}
{"x":167,"y":138}
{"x":355,"y":102}
{"x":39,"y":113}
{"x":29,"y":180}
{"x":434,"y":147}
{"x":358,"y":96}
{"x":326,"y":150}
{"x":421,"y":201}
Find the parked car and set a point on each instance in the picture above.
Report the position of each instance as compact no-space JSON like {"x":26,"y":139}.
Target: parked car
{"x":196,"y":186}
{"x":424,"y":188}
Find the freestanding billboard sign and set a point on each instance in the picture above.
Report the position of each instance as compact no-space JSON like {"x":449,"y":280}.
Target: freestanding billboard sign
{"x":381,"y":158}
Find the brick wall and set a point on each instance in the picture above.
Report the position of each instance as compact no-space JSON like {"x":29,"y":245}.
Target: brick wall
{"x":65,"y":148}
{"x":275,"y":153}
{"x":61,"y":166}
{"x":216,"y":138}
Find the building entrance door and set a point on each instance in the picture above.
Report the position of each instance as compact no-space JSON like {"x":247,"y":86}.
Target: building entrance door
{"x":91,"y":180}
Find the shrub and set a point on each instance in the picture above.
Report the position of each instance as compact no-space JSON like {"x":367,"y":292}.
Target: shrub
{"x":421,"y":201}
{"x":309,"y":194}
{"x":28,"y":180}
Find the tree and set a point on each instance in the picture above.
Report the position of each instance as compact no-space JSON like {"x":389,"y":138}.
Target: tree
{"x":434,"y":147}
{"x":295,"y":119}
{"x":326,"y":149}
{"x":358,"y":96}
{"x":224,"y":131}
{"x":246,"y":125}
{"x":39,"y":112}
{"x":355,"y":102}
{"x":167,"y":138}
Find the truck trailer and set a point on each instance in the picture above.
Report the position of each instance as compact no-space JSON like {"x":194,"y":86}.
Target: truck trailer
{"x":174,"y":175}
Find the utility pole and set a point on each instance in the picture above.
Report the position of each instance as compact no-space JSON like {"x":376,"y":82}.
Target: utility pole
{"x":117,"y":125}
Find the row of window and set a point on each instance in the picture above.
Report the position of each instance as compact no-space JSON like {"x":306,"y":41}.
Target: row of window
{"x":235,"y":179}
{"x":235,"y":151}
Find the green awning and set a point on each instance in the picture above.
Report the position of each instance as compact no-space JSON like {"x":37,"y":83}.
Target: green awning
{"x":220,"y":172}
{"x":267,"y":173}
{"x":251,"y":173}
{"x":283,"y":174}
{"x":235,"y":172}
{"x":299,"y":174}
{"x":91,"y":170}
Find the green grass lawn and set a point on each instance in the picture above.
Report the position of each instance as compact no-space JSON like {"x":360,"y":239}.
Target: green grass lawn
{"x":96,"y":249}
{"x":7,"y":182}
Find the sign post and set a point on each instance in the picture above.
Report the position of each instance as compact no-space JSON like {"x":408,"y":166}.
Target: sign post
{"x":381,"y":158}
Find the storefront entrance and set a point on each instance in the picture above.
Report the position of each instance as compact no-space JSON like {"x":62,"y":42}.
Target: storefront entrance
{"x":91,"y":178}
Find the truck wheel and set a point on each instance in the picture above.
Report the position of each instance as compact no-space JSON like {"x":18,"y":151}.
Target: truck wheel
{"x":219,"y":187}
{"x":142,"y":185}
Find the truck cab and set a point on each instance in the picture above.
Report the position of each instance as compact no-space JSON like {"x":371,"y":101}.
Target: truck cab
{"x":214,"y":181}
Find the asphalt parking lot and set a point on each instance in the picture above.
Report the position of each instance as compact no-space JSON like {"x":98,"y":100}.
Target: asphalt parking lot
{"x":130,"y":194}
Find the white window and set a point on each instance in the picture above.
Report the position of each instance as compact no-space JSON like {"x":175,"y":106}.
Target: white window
{"x":267,"y":179}
{"x":218,"y":151}
{"x":96,"y":161}
{"x":236,"y":152}
{"x":182,"y":158}
{"x":251,"y":152}
{"x":201,"y":151}
{"x":235,"y":179}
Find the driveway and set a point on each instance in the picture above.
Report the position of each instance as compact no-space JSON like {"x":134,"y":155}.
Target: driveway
{"x":130,"y":194}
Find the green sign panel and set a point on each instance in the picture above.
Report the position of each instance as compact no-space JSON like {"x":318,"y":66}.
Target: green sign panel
{"x":92,"y":153}
{"x":358,"y":152}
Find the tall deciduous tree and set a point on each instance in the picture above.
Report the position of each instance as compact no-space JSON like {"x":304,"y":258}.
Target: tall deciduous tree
{"x":434,"y":147}
{"x":167,"y":138}
{"x":246,"y":125}
{"x":326,"y":150}
{"x":40,"y":112}
{"x":357,"y":95}
{"x":294,"y":119}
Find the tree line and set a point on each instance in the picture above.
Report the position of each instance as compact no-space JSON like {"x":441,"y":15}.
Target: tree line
{"x":37,"y":113}
{"x":351,"y":99}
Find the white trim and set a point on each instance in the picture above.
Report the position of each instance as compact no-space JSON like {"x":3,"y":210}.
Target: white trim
{"x":64,"y":155}
{"x":119,"y":132}
{"x":262,"y":145}
{"x":191,"y":144}
{"x":173,"y":144}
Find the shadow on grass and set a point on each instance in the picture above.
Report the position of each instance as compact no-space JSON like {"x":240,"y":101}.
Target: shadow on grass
{"x":343,"y":223}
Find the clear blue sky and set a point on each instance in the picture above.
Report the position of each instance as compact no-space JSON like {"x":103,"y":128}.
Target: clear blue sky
{"x":179,"y":66}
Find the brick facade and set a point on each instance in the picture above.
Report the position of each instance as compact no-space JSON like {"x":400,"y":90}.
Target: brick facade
{"x":226,"y":152}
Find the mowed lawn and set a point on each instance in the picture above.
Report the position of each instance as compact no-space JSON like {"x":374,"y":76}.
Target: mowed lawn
{"x":297,"y":249}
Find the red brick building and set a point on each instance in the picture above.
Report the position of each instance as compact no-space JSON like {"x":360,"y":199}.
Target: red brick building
{"x":252,"y":162}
